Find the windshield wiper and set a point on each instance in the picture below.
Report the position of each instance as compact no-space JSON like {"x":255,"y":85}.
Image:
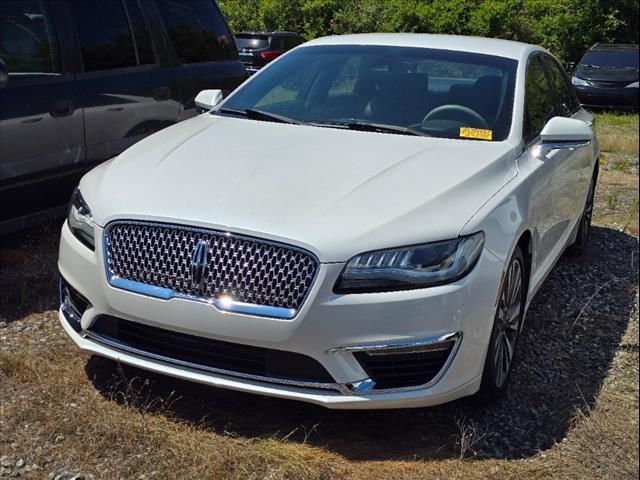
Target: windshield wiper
{"x":254,"y":114}
{"x":373,"y":127}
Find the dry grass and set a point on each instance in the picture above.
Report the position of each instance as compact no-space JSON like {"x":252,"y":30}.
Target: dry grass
{"x":617,"y":201}
{"x":618,"y":133}
{"x":50,"y":409}
{"x":620,"y":142}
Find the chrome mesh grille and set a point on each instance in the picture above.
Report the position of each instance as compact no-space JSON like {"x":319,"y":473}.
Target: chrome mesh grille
{"x":246,"y":269}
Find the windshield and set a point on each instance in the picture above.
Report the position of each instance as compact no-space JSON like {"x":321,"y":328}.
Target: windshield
{"x":436,"y":92}
{"x":251,"y":42}
{"x":626,"y":59}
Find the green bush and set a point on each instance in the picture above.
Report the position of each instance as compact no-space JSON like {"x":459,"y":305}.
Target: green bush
{"x":565,"y":27}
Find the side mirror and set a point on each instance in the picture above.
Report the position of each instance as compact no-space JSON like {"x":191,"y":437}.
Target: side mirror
{"x":560,"y":133}
{"x":207,"y":99}
{"x":4,"y":74}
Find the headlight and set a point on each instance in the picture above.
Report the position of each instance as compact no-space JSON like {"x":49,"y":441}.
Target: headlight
{"x":633,"y":85}
{"x":411,"y":267}
{"x":579,"y":82}
{"x":80,"y":219}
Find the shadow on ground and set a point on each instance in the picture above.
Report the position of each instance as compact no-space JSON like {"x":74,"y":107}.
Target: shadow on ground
{"x":573,"y":329}
{"x":28,"y":271}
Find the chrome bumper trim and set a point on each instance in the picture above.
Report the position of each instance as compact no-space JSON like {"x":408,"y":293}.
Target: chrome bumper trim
{"x":367,"y":386}
{"x":113,"y":343}
{"x":362,"y":387}
{"x":393,"y":347}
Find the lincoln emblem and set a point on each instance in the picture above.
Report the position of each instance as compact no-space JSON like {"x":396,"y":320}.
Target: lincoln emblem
{"x":199,"y":263}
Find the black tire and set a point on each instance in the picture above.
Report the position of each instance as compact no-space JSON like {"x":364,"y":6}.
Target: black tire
{"x":505,"y":332}
{"x":584,"y":229}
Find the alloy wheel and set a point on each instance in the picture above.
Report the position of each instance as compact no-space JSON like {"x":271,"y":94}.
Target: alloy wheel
{"x":508,"y":320}
{"x":585,"y":225}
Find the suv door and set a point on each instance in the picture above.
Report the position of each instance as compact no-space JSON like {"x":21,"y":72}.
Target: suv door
{"x":126,"y":93}
{"x":204,"y":51}
{"x":41,"y":128}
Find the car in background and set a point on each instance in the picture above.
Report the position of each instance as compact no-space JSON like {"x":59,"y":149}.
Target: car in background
{"x":362,"y":224}
{"x":82,"y":80}
{"x":607,"y":76}
{"x":256,"y":49}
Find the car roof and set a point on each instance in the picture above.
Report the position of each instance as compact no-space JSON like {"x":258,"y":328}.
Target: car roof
{"x":266,"y":33}
{"x":603,"y":47}
{"x":488,"y":46}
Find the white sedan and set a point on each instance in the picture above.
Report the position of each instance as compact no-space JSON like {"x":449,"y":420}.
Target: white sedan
{"x":362,"y":224}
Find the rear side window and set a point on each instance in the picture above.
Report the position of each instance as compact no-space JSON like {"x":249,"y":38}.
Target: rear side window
{"x":279,"y":43}
{"x":140,"y":33}
{"x":197,"y":30}
{"x":105,"y":36}
{"x":28,"y":43}
{"x":538,"y":107}
{"x":565,"y":102}
{"x":291,"y":42}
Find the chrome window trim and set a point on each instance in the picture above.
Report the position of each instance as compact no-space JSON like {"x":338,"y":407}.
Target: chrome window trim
{"x":223,"y":305}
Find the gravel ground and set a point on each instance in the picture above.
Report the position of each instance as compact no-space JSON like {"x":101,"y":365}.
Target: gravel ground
{"x":573,"y":329}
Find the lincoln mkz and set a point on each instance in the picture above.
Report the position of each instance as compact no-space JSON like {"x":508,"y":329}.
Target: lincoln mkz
{"x":361,"y":224}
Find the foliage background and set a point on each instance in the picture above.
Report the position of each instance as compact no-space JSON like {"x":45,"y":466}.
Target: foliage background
{"x":565,"y":27}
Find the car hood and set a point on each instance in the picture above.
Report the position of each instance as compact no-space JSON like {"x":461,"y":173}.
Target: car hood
{"x":605,"y":74}
{"x":334,"y":192}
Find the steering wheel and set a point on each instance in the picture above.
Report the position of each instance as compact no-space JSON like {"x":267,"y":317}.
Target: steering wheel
{"x":440,"y":113}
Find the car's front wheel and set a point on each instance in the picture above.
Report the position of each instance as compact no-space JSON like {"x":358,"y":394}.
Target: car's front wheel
{"x":584,"y":227}
{"x":506,"y":330}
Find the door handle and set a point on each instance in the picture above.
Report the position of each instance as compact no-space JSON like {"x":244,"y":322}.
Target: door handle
{"x":161,"y":93}
{"x":61,"y":108}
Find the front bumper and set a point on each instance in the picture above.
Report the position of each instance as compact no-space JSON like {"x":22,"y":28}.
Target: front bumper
{"x":329,"y":328}
{"x":608,"y":97}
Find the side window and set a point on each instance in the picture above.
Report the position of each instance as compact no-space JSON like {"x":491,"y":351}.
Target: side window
{"x":278,"y":43}
{"x":538,"y":107}
{"x":291,"y":42}
{"x":141,"y":33}
{"x":104,"y":34}
{"x":197,"y":30}
{"x":563,"y":93}
{"x":28,"y":43}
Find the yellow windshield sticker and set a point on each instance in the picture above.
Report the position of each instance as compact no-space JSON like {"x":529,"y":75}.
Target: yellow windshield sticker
{"x":481,"y":133}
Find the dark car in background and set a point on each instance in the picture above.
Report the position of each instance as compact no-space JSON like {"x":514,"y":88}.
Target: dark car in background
{"x":87,"y":79}
{"x":256,"y":49}
{"x":607,"y":76}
